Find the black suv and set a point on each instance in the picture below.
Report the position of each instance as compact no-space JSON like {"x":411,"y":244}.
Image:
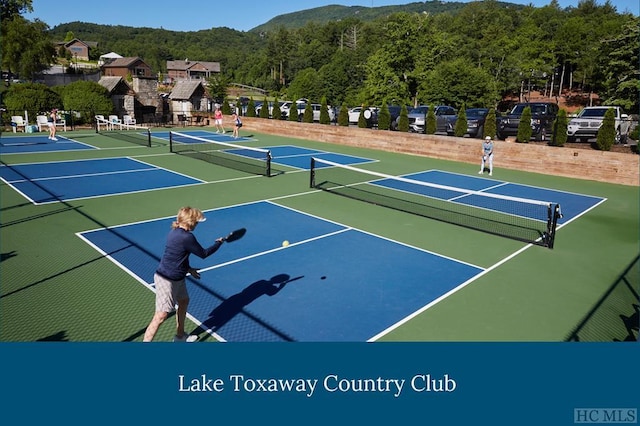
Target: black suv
{"x":542,"y":116}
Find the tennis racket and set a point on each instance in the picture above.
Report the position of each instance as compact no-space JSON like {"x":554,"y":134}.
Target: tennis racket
{"x":235,"y":235}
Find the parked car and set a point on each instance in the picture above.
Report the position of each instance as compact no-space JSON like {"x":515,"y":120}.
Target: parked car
{"x":300,"y":106}
{"x":370,"y":115}
{"x":475,"y":122}
{"x":418,"y":116}
{"x":543,"y":115}
{"x":587,"y":123}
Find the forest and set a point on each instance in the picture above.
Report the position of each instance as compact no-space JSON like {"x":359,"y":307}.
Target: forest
{"x":474,"y":55}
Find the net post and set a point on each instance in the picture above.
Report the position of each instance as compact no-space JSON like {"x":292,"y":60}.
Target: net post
{"x":554,"y":222}
{"x":312,"y":173}
{"x":170,"y":141}
{"x":97,"y":123}
{"x":149,"y":138}
{"x":269,"y":163}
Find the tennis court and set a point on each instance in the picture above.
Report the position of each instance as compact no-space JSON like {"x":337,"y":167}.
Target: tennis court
{"x":354,"y":271}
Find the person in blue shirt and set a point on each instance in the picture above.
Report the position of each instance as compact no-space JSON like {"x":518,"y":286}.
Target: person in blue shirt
{"x":169,"y":278}
{"x":487,"y":155}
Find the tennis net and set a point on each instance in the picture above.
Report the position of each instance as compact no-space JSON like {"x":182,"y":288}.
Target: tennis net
{"x":522,"y":219}
{"x":243,"y":158}
{"x":132,"y":133}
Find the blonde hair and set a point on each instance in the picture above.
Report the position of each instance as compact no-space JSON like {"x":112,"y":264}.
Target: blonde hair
{"x":188,"y":217}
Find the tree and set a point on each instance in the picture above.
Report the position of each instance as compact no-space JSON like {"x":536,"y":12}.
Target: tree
{"x":403,"y":120}
{"x":264,"y":108}
{"x":276,"y":113}
{"x":35,"y":98}
{"x":559,"y":136}
{"x":607,"y":133}
{"x":11,"y":8}
{"x":461,"y":123}
{"x":490,"y":125}
{"x":430,"y":121}
{"x":524,"y":127}
{"x":343,"y":115}
{"x":307,"y":116}
{"x":26,"y":58}
{"x":324,"y":112}
{"x":362,"y":122}
{"x":88,"y":97}
{"x":251,"y":108}
{"x":384,"y":118}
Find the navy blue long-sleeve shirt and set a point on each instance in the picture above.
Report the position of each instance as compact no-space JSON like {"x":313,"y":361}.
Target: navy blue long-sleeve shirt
{"x":181,"y":243}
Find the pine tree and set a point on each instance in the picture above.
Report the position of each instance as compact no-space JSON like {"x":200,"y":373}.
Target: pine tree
{"x":607,"y":133}
{"x":343,"y":115}
{"x":430,"y":121}
{"x":324,"y":112}
{"x":362,"y":122}
{"x":524,"y":127}
{"x":559,"y":136}
{"x":251,"y":108}
{"x":264,"y":109}
{"x":403,"y":120}
{"x":384,"y":118}
{"x":293,"y":112}
{"x":490,"y":124}
{"x":307,"y":117}
{"x":461,"y":122}
{"x":276,"y":114}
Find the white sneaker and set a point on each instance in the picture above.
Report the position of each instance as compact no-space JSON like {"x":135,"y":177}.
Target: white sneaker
{"x":480,"y":172}
{"x":54,"y":139}
{"x":186,"y":338}
{"x":490,"y":173}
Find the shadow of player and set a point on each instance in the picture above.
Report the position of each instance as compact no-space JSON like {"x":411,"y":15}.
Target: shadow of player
{"x":234,"y":305}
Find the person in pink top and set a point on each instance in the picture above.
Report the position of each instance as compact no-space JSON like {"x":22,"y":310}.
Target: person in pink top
{"x":217,"y":119}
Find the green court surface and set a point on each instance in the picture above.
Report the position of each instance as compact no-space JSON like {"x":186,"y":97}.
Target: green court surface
{"x":55,"y":287}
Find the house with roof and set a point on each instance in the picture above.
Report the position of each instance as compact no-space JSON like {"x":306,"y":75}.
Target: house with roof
{"x":79,"y":49}
{"x":127,"y":67}
{"x":108,"y":57}
{"x":187,"y":98}
{"x":121,"y":94}
{"x":191,"y":70}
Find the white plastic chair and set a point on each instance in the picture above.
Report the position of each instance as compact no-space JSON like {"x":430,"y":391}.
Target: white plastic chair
{"x":18,"y":122}
{"x":41,"y":121}
{"x":114,"y":120}
{"x":127,"y":119}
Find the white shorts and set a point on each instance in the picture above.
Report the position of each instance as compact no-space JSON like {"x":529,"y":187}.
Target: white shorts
{"x":218,"y":121}
{"x":168,"y":293}
{"x":51,"y":124}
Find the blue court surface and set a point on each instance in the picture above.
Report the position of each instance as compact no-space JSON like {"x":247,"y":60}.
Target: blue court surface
{"x":43,"y":183}
{"x":39,"y":143}
{"x":572,"y":205}
{"x":327,"y":285}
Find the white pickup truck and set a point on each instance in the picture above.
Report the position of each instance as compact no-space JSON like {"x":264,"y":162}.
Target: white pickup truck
{"x":586,"y":124}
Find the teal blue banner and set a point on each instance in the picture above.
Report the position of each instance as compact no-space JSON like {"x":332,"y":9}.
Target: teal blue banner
{"x":320,"y":384}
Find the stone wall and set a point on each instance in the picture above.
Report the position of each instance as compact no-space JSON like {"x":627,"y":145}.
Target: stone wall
{"x":612,"y":167}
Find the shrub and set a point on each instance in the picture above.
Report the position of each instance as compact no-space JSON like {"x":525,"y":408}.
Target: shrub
{"x":607,"y":133}
{"x":384,"y":118}
{"x":559,"y":136}
{"x":430,"y":122}
{"x":343,"y":116}
{"x":308,"y":113}
{"x":362,"y":122}
{"x":276,"y":114}
{"x":490,"y":125}
{"x":324,"y":112}
{"x":403,"y":120}
{"x":461,"y":122}
{"x":264,"y":109}
{"x":251,"y":108}
{"x":524,"y":127}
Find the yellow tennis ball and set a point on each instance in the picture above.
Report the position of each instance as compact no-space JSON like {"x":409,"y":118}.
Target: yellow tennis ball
{"x":285,"y":243}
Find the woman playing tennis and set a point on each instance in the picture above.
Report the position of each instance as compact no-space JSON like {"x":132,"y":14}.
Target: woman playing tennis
{"x":169,"y":279}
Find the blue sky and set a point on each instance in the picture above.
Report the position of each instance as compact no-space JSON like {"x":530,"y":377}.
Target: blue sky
{"x":241,"y":15}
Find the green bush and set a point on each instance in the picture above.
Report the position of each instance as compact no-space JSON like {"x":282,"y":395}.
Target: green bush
{"x":226,"y":108}
{"x":490,"y":124}
{"x":403,"y":120}
{"x":276,"y":114}
{"x":35,"y":98}
{"x":607,"y":133}
{"x":524,"y":127}
{"x":324,"y":112}
{"x":362,"y":122}
{"x":251,"y":108}
{"x":307,"y":117}
{"x":559,"y":136}
{"x":343,"y":115}
{"x":293,"y":112}
{"x":384,"y":118}
{"x":430,"y":122}
{"x":461,"y":122}
{"x":264,"y":109}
